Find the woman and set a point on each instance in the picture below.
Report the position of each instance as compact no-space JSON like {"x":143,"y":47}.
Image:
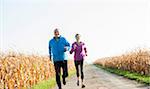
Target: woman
{"x":80,"y":51}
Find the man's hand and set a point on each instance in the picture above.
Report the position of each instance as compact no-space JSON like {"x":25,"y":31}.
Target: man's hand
{"x":65,"y":49}
{"x":50,"y":58}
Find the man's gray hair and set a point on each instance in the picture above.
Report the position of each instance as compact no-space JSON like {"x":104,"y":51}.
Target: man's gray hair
{"x":56,"y":30}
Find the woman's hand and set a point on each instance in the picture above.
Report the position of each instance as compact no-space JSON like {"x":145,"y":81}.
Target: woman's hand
{"x":74,"y":46}
{"x":70,"y":52}
{"x":85,"y":54}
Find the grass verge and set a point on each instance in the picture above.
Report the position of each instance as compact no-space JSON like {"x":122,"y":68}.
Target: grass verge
{"x":50,"y":83}
{"x":127,"y":74}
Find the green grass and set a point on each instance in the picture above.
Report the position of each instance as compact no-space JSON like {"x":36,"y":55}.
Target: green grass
{"x":46,"y":84}
{"x":130,"y":75}
{"x":50,"y":83}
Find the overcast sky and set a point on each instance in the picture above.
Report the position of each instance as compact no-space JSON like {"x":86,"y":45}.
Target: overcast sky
{"x":108,"y":27}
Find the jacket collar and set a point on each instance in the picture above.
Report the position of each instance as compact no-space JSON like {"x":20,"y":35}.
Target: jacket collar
{"x":58,"y":37}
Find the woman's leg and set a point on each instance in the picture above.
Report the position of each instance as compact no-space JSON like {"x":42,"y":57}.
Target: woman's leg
{"x":81,"y":69}
{"x":82,"y":74}
{"x":77,"y":71}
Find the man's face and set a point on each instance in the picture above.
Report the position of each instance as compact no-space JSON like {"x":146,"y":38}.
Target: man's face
{"x":56,"y":33}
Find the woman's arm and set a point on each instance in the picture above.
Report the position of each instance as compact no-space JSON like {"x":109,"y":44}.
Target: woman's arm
{"x":72,"y":48}
{"x":85,"y":50}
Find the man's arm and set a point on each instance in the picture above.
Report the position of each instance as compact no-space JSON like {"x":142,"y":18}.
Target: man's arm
{"x":67,"y":45}
{"x":50,"y":51}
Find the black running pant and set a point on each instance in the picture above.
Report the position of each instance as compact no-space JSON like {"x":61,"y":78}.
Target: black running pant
{"x":77,"y":65}
{"x":58,"y":65}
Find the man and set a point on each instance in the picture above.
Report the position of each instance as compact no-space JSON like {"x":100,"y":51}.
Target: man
{"x":58,"y":45}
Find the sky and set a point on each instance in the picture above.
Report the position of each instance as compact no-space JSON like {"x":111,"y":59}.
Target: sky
{"x":108,"y":27}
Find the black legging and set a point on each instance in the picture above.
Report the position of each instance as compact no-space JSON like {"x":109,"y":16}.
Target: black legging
{"x":58,"y":65}
{"x":77,"y":63}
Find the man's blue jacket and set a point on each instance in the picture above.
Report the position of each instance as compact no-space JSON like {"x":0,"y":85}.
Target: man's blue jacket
{"x":57,"y":48}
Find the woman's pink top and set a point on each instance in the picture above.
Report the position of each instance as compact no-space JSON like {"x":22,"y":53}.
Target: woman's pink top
{"x":79,"y":51}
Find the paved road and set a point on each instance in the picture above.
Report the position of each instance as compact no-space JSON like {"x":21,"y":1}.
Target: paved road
{"x":96,"y":78}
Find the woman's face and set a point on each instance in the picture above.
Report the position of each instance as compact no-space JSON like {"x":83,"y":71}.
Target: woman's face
{"x":78,"y":37}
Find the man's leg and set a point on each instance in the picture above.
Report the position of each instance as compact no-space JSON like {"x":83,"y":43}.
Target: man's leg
{"x":65,"y":68}
{"x":58,"y":73}
{"x":65,"y":71}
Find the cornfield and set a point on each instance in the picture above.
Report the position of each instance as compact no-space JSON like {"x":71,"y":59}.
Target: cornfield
{"x":137,"y":61}
{"x":20,"y":71}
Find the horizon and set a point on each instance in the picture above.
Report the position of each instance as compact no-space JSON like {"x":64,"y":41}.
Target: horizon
{"x":108,"y":27}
